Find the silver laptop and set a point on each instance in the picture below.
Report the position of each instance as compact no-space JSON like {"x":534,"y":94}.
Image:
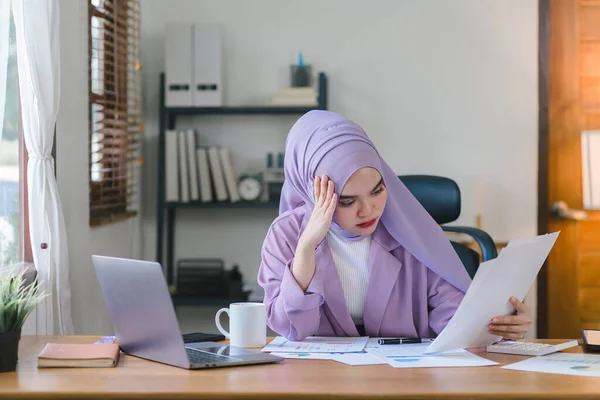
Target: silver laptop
{"x":145,"y":324}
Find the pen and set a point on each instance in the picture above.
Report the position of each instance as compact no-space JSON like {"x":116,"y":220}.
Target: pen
{"x":403,"y":341}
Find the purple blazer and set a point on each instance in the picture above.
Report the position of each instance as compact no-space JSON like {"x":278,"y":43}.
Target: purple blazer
{"x":404,"y":297}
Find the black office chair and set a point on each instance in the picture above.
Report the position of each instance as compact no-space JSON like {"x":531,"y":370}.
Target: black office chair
{"x":441,"y":198}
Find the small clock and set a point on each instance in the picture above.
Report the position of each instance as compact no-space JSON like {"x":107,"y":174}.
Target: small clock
{"x":250,"y":187}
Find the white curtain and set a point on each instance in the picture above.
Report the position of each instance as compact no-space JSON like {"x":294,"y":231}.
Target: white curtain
{"x":36,"y":23}
{"x":4,"y":26}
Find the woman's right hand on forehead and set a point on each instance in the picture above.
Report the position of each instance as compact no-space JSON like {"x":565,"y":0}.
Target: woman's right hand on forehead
{"x":322,"y":215}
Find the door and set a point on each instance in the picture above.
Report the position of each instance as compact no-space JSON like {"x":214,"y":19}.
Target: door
{"x":571,"y":278}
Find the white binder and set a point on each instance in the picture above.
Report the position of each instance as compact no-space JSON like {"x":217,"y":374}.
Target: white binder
{"x":192,"y":165}
{"x":184,"y":182}
{"x":229,"y":173}
{"x":217,"y":174}
{"x":204,"y":175}
{"x":172,"y":166}
{"x":208,"y":88}
{"x":178,"y":65}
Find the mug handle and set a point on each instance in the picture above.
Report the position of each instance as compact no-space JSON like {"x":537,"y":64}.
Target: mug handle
{"x":218,"y":322}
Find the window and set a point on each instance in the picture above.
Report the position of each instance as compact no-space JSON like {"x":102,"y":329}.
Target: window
{"x":14,"y":223}
{"x":115,"y":109}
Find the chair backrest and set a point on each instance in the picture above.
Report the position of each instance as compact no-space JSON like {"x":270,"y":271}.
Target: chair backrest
{"x":469,"y":258}
{"x":440,"y":196}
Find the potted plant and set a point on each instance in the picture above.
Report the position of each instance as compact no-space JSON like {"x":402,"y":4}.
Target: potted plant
{"x":17,"y":299}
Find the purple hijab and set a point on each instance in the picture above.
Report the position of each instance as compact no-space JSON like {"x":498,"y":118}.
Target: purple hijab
{"x":323,"y":142}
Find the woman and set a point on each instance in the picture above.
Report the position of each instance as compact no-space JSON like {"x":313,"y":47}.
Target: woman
{"x":352,"y":251}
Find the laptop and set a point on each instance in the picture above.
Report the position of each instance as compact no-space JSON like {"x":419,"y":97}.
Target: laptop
{"x":145,"y":323}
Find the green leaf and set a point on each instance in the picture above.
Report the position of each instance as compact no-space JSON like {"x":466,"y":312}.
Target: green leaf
{"x":16,"y":299}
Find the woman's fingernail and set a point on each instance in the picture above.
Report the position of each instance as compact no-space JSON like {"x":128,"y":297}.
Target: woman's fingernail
{"x":494,"y":321}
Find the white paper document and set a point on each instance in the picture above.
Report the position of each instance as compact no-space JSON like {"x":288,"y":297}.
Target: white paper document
{"x":413,"y":356}
{"x":357,"y":359}
{"x":510,"y":274}
{"x":344,"y":358}
{"x":561,"y":363}
{"x":372,"y":342}
{"x":306,"y":356}
{"x":318,"y":344}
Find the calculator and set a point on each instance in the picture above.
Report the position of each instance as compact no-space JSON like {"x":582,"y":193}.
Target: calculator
{"x":529,"y":348}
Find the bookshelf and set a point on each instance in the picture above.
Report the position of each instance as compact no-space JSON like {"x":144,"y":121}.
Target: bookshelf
{"x":166,"y":211}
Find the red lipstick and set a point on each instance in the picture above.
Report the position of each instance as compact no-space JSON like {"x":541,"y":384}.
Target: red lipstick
{"x":367,"y":224}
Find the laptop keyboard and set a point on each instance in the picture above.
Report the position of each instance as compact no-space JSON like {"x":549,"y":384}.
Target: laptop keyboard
{"x":201,"y":357}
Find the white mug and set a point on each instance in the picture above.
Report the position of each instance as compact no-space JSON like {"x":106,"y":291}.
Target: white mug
{"x":247,"y":324}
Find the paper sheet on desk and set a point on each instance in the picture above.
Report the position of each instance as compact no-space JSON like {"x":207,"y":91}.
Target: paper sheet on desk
{"x":510,"y":274}
{"x":357,"y":359}
{"x":344,"y":358}
{"x":413,"y":356}
{"x":305,"y":356}
{"x":318,"y":344}
{"x":561,"y":363}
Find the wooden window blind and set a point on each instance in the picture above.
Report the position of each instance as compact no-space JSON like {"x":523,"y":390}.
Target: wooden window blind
{"x":115,"y":109}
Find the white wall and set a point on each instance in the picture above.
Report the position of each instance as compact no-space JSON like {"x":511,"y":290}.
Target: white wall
{"x":72,"y":170}
{"x":442,"y":87}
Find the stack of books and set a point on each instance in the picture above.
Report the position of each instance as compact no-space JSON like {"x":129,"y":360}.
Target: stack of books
{"x":296,"y":96}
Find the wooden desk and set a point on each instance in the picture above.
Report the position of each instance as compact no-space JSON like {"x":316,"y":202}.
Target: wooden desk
{"x":293,"y":379}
